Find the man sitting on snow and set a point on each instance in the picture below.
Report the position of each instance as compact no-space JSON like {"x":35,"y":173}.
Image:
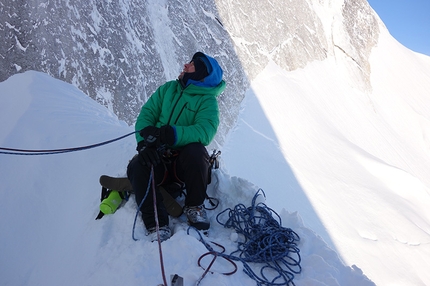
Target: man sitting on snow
{"x":182,"y":116}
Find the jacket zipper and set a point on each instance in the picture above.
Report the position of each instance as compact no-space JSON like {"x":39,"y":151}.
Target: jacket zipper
{"x":180,"y":112}
{"x":174,"y":107}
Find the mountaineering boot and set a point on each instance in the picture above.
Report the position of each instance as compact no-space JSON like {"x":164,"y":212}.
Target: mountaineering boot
{"x":165,"y":233}
{"x":197,"y":217}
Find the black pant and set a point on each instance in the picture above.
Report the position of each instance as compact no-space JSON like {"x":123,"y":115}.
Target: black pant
{"x":190,"y":166}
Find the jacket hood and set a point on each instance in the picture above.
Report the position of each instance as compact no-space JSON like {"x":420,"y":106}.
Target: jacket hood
{"x":215,"y":72}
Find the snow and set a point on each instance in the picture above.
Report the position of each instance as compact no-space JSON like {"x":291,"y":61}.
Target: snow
{"x":346,"y":170}
{"x":353,"y":165}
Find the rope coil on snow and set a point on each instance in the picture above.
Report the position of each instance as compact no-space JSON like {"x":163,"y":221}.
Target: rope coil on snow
{"x":265,"y":242}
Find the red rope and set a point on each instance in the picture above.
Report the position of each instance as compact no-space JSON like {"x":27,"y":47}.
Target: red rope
{"x":157,"y":226}
{"x":215,"y":255}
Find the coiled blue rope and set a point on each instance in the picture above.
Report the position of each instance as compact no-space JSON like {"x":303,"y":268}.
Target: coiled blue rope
{"x":13,"y":151}
{"x":265,"y":242}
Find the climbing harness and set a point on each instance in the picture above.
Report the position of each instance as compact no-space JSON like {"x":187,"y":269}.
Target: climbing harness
{"x":213,"y":164}
{"x":213,"y":160}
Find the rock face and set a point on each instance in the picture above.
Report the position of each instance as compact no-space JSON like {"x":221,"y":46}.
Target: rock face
{"x":119,"y":52}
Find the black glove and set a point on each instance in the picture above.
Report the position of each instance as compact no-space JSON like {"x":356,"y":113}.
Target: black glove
{"x":140,"y":145}
{"x":167,"y":135}
{"x":150,"y":135}
{"x":149,"y":156}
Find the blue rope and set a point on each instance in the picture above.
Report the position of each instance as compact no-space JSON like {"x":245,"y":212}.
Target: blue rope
{"x":265,"y":242}
{"x":140,"y":205}
{"x":13,"y":151}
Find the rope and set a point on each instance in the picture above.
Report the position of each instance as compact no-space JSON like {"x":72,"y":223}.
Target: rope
{"x":265,"y":242}
{"x":151,"y":182}
{"x":215,"y":255}
{"x":157,"y":226}
{"x":13,"y":151}
{"x":140,"y":205}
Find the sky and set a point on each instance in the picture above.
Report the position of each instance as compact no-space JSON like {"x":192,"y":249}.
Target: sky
{"x":407,"y":21}
{"x":346,"y":170}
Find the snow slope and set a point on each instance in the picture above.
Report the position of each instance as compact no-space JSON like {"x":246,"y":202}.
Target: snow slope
{"x":354,"y":166}
{"x":345,"y":170}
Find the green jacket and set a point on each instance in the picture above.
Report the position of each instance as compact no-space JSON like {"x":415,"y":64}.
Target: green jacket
{"x":192,"y":112}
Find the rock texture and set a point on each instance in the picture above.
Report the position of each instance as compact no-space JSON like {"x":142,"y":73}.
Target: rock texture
{"x":119,"y":52}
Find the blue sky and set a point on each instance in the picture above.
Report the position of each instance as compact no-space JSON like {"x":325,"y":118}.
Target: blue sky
{"x":407,"y":20}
